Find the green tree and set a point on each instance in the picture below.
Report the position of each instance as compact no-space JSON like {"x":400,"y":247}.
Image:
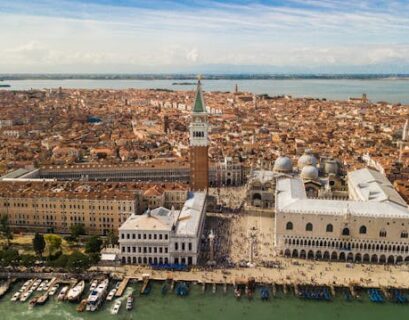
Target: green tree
{"x":60,"y":262}
{"x":53,"y":242}
{"x":78,"y":262}
{"x":39,"y":244}
{"x":10,"y":257}
{"x":77,"y":230}
{"x":5,"y":229}
{"x":93,"y":244}
{"x":27,"y":260}
{"x":112,"y":238}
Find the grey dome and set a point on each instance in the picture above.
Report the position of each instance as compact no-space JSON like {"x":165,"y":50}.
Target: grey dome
{"x":309,"y":173}
{"x":283,"y":164}
{"x":307,"y":159}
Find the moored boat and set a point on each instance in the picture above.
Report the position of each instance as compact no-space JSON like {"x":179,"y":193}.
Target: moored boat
{"x":111,"y":294}
{"x":63,"y":292}
{"x":53,"y":290}
{"x":93,"y":285}
{"x":116,"y":307}
{"x":129,"y":302}
{"x":42,"y":299}
{"x":96,"y":297}
{"x":75,"y":292}
{"x":16,"y":296}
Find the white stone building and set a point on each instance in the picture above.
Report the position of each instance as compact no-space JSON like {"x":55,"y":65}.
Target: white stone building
{"x":164,"y":236}
{"x":372,"y":225}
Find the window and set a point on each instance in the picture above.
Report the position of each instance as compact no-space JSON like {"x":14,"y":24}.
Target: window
{"x":289,"y":226}
{"x":330,"y":228}
{"x":308,"y":227}
{"x":404,"y":234}
{"x":345,"y":232}
{"x":382,"y":233}
{"x":362,"y":230}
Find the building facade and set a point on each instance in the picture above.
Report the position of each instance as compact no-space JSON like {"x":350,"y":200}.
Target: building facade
{"x":164,"y":236}
{"x":372,"y":225}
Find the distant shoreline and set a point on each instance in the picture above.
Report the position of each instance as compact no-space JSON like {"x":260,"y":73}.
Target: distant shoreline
{"x":15,"y":77}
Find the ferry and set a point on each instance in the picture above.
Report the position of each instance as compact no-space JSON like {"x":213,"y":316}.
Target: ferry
{"x":116,"y":307}
{"x":129,"y":302}
{"x":111,"y":294}
{"x":75,"y":292}
{"x":97,"y":296}
{"x":63,"y":292}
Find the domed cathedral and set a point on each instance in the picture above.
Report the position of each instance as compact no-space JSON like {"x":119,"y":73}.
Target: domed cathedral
{"x":321,"y":179}
{"x":199,"y":143}
{"x":261,"y":184}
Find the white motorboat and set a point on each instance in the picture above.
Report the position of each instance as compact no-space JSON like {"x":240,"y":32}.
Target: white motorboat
{"x":26,"y":295}
{"x":129,"y":302}
{"x":94,"y":284}
{"x":16,"y":296}
{"x":63,"y":292}
{"x":42,"y":285}
{"x":36,"y":284}
{"x":96,"y":297}
{"x":53,"y":290}
{"x":75,"y":292}
{"x":116,"y":307}
{"x":111,"y":294}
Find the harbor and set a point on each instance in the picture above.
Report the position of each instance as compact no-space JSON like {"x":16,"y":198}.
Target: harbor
{"x":205,"y":304}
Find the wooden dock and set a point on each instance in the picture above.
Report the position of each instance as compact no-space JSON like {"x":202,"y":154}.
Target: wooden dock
{"x":122,"y":287}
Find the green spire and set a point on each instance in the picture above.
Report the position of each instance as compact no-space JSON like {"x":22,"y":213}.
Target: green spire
{"x":199,"y":102}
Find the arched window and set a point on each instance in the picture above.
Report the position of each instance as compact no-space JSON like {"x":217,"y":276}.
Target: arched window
{"x":362,"y":230}
{"x":345,"y":232}
{"x":404,"y":234}
{"x":289,"y":226}
{"x":330,"y":228}
{"x":308,"y":227}
{"x":382,"y":233}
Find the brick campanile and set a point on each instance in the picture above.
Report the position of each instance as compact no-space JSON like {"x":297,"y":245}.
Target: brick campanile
{"x":199,"y":145}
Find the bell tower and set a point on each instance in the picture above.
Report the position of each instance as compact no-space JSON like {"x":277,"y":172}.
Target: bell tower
{"x":199,"y":144}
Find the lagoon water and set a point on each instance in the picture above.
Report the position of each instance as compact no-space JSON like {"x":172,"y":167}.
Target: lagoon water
{"x":208,"y":306}
{"x":390,"y":90}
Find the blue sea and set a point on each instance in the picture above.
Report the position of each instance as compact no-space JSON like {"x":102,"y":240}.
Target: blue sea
{"x":389,"y":90}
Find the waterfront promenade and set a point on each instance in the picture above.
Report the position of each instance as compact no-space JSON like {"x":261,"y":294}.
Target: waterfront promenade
{"x":289,"y":272}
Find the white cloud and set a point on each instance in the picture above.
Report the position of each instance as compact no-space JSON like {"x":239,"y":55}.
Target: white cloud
{"x":339,"y":33}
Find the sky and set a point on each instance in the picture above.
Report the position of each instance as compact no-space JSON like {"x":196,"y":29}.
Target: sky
{"x":187,"y":36}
